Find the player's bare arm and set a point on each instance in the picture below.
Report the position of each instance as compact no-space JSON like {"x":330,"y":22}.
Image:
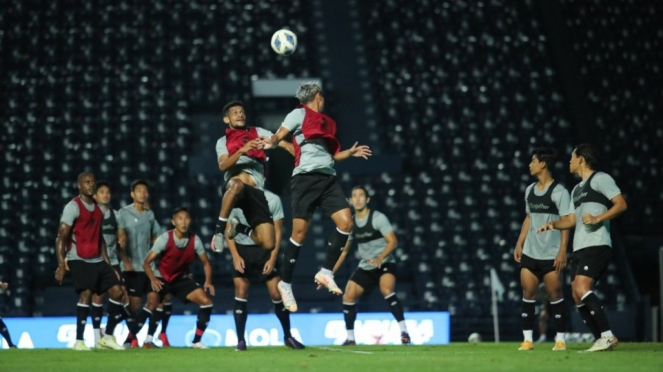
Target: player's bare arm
{"x":518,"y":251}
{"x":563,"y":224}
{"x":277,"y":138}
{"x":618,"y":207}
{"x":122,"y":249}
{"x":207,"y":267}
{"x":356,"y":151}
{"x":64,"y":236}
{"x":560,"y":260}
{"x":238,"y":261}
{"x":228,"y":161}
{"x":154,"y":281}
{"x":287,"y":146}
{"x":392,"y":242}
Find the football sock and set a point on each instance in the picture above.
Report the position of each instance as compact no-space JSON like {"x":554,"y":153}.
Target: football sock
{"x":5,"y":333}
{"x":350,"y":315}
{"x":395,"y":307}
{"x":290,"y":254}
{"x":596,"y":310}
{"x":284,"y":317}
{"x":589,"y":320}
{"x":335,"y":246}
{"x":243,"y":229}
{"x":559,"y":312}
{"x":165,"y":317}
{"x":97,"y":312}
{"x":204,"y":314}
{"x":220,"y":226}
{"x":115,"y":315}
{"x":82,"y":311}
{"x":154,"y":322}
{"x":527,"y":314}
{"x":240,"y":317}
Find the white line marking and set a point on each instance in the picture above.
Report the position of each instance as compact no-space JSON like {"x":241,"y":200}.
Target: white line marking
{"x":345,"y":351}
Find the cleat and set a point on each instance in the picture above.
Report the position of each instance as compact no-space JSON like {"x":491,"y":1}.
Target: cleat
{"x":292,"y":343}
{"x":328,"y":282}
{"x":199,"y":345}
{"x":604,"y":344}
{"x":164,"y":340}
{"x":559,"y":346}
{"x":526,"y":346}
{"x":288,"y":297}
{"x":231,"y":226}
{"x":405,"y":338}
{"x":241,"y":346}
{"x":109,"y":342}
{"x":134,"y":343}
{"x":80,"y":346}
{"x":218,"y":241}
{"x":349,"y":343}
{"x":149,"y":345}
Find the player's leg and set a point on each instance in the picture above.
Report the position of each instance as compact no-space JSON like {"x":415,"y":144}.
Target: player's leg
{"x":97,"y":312}
{"x":543,"y":320}
{"x":234,"y":190}
{"x":149,"y":314}
{"x":198,"y":296}
{"x":259,"y":218}
{"x":282,"y":314}
{"x":553,"y":283}
{"x":387,"y":285}
{"x":109,"y":282}
{"x":529,"y":283}
{"x":167,"y":311}
{"x":82,"y":312}
{"x":5,"y":334}
{"x":242,"y":285}
{"x":85,"y":281}
{"x":290,"y":253}
{"x":353,"y":291}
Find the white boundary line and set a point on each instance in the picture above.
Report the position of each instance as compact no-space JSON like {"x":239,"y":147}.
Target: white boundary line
{"x":345,"y":351}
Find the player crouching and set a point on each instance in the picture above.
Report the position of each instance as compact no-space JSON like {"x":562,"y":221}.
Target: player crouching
{"x":175,"y":250}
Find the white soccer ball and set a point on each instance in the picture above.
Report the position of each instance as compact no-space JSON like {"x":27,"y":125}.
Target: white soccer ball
{"x":474,"y":338}
{"x":284,"y":42}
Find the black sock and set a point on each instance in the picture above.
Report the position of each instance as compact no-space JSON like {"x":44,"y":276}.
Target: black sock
{"x":5,"y":333}
{"x":284,"y":317}
{"x":220,"y":226}
{"x":82,"y":312}
{"x":115,"y":316}
{"x":240,"y":317}
{"x":560,"y":314}
{"x":202,"y":322}
{"x":335,"y":246}
{"x":154,"y":322}
{"x":165,"y":317}
{"x":527,"y":314}
{"x":290,"y":254}
{"x":96,"y":312}
{"x":243,"y":229}
{"x":139,"y":321}
{"x":596,"y":310}
{"x":589,"y":320}
{"x":350,"y":315}
{"x":395,"y":307}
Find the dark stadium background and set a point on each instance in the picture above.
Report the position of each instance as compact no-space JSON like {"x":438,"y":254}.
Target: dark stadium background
{"x":451,"y":95}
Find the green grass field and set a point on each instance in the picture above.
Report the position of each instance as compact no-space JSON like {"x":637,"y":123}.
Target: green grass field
{"x":455,"y":357}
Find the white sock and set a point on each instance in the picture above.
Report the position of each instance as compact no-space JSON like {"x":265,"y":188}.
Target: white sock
{"x":97,"y":335}
{"x":543,"y":338}
{"x":351,"y":334}
{"x":326,"y":272}
{"x":561,"y":336}
{"x":528,"y":335}
{"x":607,"y":334}
{"x":284,"y":284}
{"x":148,"y":339}
{"x":402,"y":325}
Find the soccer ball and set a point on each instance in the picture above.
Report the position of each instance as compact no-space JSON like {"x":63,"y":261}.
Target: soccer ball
{"x":284,"y":42}
{"x":474,"y":338}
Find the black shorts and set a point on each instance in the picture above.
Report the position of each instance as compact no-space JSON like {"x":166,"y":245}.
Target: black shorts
{"x":137,"y":283}
{"x":590,"y":261}
{"x":537,"y":267}
{"x":312,"y":190}
{"x":180,"y":287}
{"x":254,"y":258}
{"x":97,"y":277}
{"x":369,"y":279}
{"x":119,"y":272}
{"x":253,"y":204}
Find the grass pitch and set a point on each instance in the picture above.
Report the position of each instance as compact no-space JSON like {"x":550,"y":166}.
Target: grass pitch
{"x":455,"y":357}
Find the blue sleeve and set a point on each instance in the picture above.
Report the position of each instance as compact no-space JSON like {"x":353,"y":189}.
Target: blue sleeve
{"x":70,"y":213}
{"x":293,"y":120}
{"x":198,"y":244}
{"x":381,"y":223}
{"x":221,"y":148}
{"x":606,"y":185}
{"x":562,"y":200}
{"x":160,"y":244}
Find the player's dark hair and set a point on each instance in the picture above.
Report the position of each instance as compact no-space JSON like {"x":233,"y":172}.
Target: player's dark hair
{"x":589,"y":153}
{"x":181,"y":209}
{"x":360,"y":187}
{"x":230,"y":105}
{"x":139,"y":181}
{"x":546,"y":155}
{"x":103,"y":183}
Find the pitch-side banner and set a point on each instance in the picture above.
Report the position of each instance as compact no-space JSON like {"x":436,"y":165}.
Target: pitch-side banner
{"x":429,"y":328}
